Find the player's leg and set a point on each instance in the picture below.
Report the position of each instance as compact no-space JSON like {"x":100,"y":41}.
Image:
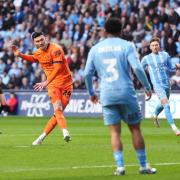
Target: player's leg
{"x":138,"y":143}
{"x":62,"y":121}
{"x":158,"y":110}
{"x":3,"y":104}
{"x":112,"y":119}
{"x":58,"y":117}
{"x":65,"y":98}
{"x":60,"y":99}
{"x":117,"y":148}
{"x":2,"y":100}
{"x":51,"y":124}
{"x":163,"y":95}
{"x":169,"y":117}
{"x":132,"y":116}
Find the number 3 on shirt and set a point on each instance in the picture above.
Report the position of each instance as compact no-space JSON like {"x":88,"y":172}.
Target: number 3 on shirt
{"x":111,"y":68}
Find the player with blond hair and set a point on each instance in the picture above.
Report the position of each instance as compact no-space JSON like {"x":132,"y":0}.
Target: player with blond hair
{"x":158,"y":64}
{"x":59,"y":80}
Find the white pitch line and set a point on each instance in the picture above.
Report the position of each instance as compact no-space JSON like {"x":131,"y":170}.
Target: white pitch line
{"x":22,"y":146}
{"x":79,"y":167}
{"x":79,"y":134}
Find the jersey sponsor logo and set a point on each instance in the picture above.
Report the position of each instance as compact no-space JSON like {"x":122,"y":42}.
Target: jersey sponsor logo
{"x":161,"y":67}
{"x":57,"y":53}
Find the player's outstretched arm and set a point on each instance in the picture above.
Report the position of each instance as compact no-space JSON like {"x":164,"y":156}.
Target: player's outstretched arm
{"x":17,"y":53}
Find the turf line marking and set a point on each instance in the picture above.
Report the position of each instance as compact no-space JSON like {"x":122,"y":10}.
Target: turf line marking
{"x":15,"y":135}
{"x":22,"y":146}
{"x":79,"y":167}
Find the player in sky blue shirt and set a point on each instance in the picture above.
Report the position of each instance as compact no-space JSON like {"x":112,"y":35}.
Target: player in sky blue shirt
{"x":159,"y":66}
{"x":113,"y":59}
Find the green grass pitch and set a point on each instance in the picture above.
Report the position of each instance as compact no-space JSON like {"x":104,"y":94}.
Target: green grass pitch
{"x":88,"y":156}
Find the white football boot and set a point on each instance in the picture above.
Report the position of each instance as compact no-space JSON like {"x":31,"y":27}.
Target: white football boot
{"x":177,"y":132}
{"x":147,"y":170}
{"x":39,"y":140}
{"x":66,"y":135}
{"x":119,"y":171}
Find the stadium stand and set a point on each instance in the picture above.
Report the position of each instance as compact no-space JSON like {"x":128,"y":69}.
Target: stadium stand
{"x":76,"y":25}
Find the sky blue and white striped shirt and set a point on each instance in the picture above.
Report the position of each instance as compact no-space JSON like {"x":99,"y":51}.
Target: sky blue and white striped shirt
{"x":159,"y":67}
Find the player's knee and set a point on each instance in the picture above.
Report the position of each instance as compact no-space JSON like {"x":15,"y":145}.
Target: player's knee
{"x":58,"y":106}
{"x":164,"y":101}
{"x":65,"y":103}
{"x":134,"y":128}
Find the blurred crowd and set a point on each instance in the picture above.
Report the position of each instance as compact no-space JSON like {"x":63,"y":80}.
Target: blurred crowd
{"x":76,"y":25}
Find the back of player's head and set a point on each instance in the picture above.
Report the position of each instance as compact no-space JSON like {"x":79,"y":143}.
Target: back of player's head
{"x":113,"y":25}
{"x":155,"y":39}
{"x":36,"y":34}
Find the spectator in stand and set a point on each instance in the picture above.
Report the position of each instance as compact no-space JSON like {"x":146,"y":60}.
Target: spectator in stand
{"x":163,"y":40}
{"x":87,"y":18}
{"x":8,"y":22}
{"x":2,"y":85}
{"x":163,"y":17}
{"x":2,"y":66}
{"x":170,"y":47}
{"x":18,"y":15}
{"x":36,"y":77}
{"x":12,"y":104}
{"x":139,"y":33}
{"x":116,"y":11}
{"x":175,"y":80}
{"x":167,"y":29}
{"x":141,"y":15}
{"x":25,"y":83}
{"x":5,"y":78}
{"x":66,"y":41}
{"x":173,"y":17}
{"x":144,"y":50}
{"x":127,"y":33}
{"x":178,"y":46}
{"x":14,"y":70}
{"x":175,"y":32}
{"x":77,"y":34}
{"x":157,"y":24}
